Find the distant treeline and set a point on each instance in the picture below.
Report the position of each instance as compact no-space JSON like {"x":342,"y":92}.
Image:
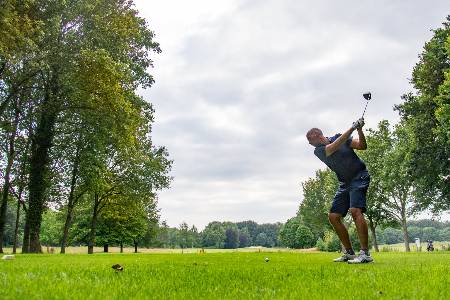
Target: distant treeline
{"x":216,"y":234}
{"x":226,"y":235}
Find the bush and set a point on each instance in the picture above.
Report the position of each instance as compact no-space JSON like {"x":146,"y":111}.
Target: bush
{"x":332,"y":241}
{"x":288,"y":233}
{"x":320,"y":244}
{"x":329,"y":243}
{"x":304,"y":237}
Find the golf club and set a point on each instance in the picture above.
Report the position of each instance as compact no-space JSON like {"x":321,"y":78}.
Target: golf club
{"x":366,"y":96}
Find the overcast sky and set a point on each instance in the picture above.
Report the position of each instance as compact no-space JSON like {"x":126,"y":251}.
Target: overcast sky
{"x":239,"y":83}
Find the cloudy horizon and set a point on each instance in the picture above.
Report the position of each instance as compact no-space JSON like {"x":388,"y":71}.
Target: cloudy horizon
{"x":239,"y":83}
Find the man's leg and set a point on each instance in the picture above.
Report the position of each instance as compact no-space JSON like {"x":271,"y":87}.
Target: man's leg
{"x":341,"y":230}
{"x":361,"y":227}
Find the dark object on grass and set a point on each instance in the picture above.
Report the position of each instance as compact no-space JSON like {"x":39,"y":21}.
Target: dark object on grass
{"x":117,"y":267}
{"x":430,"y":246}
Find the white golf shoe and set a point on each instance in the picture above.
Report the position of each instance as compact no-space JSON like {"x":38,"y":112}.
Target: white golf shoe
{"x":362,"y":258}
{"x":345,"y":257}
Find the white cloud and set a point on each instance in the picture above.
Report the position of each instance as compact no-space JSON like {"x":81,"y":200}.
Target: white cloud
{"x":240,"y":82}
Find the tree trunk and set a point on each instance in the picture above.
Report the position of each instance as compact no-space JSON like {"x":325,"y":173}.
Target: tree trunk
{"x":105,"y":248}
{"x":4,"y":205}
{"x":26,"y":238}
{"x":404,"y":227}
{"x":16,"y":228}
{"x":405,"y":233}
{"x":38,"y":181}
{"x":66,"y":228}
{"x":71,"y":201}
{"x":5,"y":191}
{"x":121,"y":247}
{"x":93,"y":225}
{"x":22,"y":184}
{"x":135,"y":246}
{"x":374,"y":235}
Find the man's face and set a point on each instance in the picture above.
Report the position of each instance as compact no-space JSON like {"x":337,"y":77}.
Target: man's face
{"x":316,"y":138}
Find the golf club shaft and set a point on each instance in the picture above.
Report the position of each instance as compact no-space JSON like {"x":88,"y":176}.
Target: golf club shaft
{"x":367,"y":102}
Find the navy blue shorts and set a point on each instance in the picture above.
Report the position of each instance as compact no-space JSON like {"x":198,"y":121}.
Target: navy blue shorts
{"x":351,"y":194}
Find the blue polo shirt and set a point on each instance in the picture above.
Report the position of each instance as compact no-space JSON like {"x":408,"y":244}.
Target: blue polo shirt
{"x":344,"y":162}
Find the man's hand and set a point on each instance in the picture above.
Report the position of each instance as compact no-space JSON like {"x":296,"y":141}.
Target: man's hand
{"x":358,"y":124}
{"x":360,"y":142}
{"x":361,"y":123}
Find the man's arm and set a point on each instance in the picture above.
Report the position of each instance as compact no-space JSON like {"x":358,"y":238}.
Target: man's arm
{"x":331,"y":148}
{"x":360,"y":142}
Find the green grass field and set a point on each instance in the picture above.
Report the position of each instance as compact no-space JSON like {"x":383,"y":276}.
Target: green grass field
{"x":232,"y":275}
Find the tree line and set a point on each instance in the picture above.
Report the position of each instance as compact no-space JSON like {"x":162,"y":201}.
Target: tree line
{"x":75,"y":137}
{"x":409,"y":162}
{"x":149,"y":233}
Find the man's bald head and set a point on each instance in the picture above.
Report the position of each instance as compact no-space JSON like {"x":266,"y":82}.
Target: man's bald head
{"x":313,"y":132}
{"x":315,"y":136}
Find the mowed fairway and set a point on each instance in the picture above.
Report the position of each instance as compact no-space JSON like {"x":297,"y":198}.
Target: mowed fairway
{"x":225,"y":276}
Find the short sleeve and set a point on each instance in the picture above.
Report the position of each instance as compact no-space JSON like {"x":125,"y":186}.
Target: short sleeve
{"x":334,"y":137}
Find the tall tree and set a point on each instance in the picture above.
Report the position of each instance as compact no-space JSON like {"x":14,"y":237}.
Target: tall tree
{"x":231,"y":238}
{"x":288,"y":233}
{"x":397,"y":180}
{"x":427,"y":116}
{"x":184,"y":236}
{"x":95,"y":56}
{"x":213,"y":235}
{"x":123,"y":222}
{"x":10,"y":156}
{"x":379,"y":143}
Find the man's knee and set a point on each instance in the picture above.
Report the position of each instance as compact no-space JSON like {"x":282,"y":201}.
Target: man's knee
{"x":334,"y":218}
{"x":356,"y":212}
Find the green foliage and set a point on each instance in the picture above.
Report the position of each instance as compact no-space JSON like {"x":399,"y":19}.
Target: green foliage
{"x":318,"y":194}
{"x":8,"y":237}
{"x":392,"y":235}
{"x":379,"y":144}
{"x":244,"y":238}
{"x":427,"y":117}
{"x":304,"y":237}
{"x":51,"y":228}
{"x":330,"y":242}
{"x":122,"y":222}
{"x":320,"y":245}
{"x":75,"y":68}
{"x":288,"y":233}
{"x":213,"y":235}
{"x":250,"y":227}
{"x":19,"y":28}
{"x":231,"y":238}
{"x":295,"y":234}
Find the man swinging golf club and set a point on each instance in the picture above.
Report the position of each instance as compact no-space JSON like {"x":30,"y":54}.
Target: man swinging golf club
{"x":337,"y":153}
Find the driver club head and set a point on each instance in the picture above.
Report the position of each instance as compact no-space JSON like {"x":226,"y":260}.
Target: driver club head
{"x":366,"y":96}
